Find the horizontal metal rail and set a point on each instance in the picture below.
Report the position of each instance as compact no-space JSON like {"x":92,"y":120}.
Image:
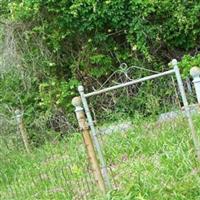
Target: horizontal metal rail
{"x":129,"y":83}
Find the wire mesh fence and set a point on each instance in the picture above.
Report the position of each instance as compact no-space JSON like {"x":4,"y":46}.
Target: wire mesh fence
{"x":56,"y":167}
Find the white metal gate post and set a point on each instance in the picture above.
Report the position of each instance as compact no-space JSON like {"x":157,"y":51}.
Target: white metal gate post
{"x":94,"y":136}
{"x":195,"y":73}
{"x":186,"y":106}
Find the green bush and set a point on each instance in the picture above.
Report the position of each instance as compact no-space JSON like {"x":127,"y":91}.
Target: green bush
{"x":61,"y":43}
{"x":188,"y":62}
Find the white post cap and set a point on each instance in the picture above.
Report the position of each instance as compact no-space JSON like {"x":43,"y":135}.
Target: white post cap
{"x":80,"y":88}
{"x":174,"y":62}
{"x":195,"y":72}
{"x":76,"y":101}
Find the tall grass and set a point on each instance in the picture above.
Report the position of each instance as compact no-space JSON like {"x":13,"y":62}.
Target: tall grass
{"x":151,"y":161}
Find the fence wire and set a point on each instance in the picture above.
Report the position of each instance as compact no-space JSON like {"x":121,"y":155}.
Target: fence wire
{"x":57,"y":166}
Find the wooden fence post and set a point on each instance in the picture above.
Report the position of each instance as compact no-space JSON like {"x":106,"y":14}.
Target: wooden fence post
{"x":22,"y":129}
{"x":80,"y":115}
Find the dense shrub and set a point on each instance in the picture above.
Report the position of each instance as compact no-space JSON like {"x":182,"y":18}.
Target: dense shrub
{"x":61,"y":43}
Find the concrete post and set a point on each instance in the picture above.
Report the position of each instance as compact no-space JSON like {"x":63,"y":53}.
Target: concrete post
{"x":80,"y":115}
{"x":195,"y":73}
{"x":22,"y":129}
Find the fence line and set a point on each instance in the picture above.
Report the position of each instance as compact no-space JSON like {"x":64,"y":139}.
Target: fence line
{"x":58,"y":168}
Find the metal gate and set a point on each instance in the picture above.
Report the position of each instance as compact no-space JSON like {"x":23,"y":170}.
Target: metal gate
{"x":113,"y":130}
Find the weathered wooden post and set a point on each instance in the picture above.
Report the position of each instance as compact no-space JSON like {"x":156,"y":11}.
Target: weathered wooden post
{"x":22,"y":129}
{"x":80,"y":115}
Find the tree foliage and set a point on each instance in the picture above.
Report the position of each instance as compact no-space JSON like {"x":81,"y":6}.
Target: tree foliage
{"x":63,"y":42}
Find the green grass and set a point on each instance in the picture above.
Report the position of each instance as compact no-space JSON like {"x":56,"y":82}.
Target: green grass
{"x":152,"y":161}
{"x":53,"y":171}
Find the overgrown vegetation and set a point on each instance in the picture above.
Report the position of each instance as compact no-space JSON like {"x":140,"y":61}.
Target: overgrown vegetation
{"x":49,"y":47}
